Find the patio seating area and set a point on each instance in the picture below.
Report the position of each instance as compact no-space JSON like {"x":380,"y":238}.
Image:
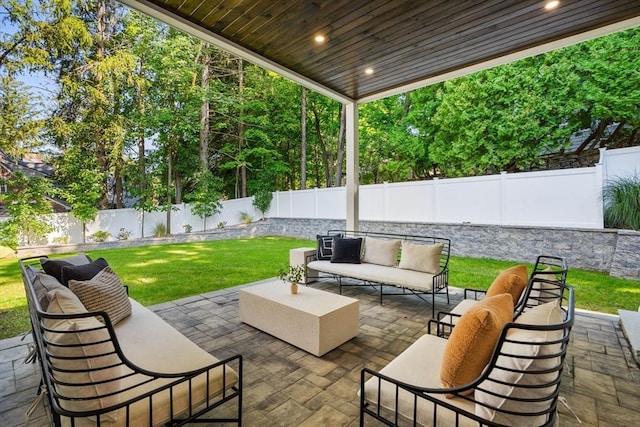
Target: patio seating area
{"x":286,"y":386}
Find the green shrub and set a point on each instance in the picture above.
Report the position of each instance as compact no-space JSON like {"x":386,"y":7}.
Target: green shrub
{"x":100,"y":236}
{"x":160,"y":230}
{"x":622,"y":203}
{"x":245,"y":217}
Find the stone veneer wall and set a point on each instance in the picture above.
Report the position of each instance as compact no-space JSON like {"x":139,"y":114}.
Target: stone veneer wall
{"x":613,"y":251}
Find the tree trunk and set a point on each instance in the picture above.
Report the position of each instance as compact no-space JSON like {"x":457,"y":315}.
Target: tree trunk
{"x":594,"y":135}
{"x":303,"y":142}
{"x":243,"y":166}
{"x":169,"y":174}
{"x":204,"y":110}
{"x":101,"y":154}
{"x":142,"y":169}
{"x":341,"y":142}
{"x":323,"y":148}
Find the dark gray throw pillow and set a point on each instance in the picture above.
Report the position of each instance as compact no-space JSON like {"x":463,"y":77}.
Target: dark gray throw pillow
{"x":347,"y":250}
{"x":53,"y":267}
{"x":82,"y":272}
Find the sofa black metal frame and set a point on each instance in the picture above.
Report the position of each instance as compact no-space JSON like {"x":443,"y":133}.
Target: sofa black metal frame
{"x":439,"y":280}
{"x":113,"y":404}
{"x":539,"y":376}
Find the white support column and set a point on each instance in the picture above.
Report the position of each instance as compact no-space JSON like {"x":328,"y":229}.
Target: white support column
{"x":353,"y":182}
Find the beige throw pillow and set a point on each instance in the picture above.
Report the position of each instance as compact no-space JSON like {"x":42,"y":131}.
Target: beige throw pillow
{"x":104,"y":292}
{"x":381,"y":251}
{"x":472,"y":341}
{"x":425,"y":258}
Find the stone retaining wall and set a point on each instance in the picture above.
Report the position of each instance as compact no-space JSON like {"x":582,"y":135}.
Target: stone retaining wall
{"x":613,"y":251}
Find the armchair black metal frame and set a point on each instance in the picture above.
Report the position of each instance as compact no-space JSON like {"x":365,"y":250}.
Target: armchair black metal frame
{"x":541,"y":377}
{"x":545,"y":266}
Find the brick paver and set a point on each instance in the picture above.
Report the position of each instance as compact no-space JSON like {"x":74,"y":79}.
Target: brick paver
{"x":285,"y":386}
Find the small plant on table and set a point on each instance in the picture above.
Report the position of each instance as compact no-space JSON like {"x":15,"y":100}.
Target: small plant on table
{"x":293,"y":275}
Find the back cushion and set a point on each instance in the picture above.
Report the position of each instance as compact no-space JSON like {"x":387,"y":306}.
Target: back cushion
{"x":82,"y":272}
{"x":42,"y":285}
{"x":104,"y":292}
{"x":512,"y":281}
{"x":425,"y":258}
{"x":381,"y":251}
{"x":530,"y":358}
{"x":78,"y":354}
{"x":473,"y":339}
{"x":53,"y":267}
{"x":347,"y":250}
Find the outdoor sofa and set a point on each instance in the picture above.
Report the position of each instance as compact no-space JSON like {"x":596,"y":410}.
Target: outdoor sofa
{"x":501,"y":365}
{"x":410,"y":264}
{"x":115,"y":362}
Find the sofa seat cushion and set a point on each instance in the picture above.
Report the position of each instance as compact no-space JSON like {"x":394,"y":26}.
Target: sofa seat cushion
{"x":409,"y":279}
{"x":418,"y":365}
{"x":461,"y":308}
{"x":151,"y":343}
{"x":148,"y":342}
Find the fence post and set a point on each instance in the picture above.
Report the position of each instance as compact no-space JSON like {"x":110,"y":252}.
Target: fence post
{"x":315,"y":202}
{"x":600,"y":181}
{"x":503,"y":197}
{"x":290,"y":203}
{"x":436,"y":196}
{"x":385,"y":207}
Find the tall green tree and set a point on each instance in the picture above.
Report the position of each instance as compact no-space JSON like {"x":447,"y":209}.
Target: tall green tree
{"x":26,"y":204}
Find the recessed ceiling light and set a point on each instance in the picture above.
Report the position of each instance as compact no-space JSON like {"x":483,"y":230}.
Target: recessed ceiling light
{"x":319,"y":38}
{"x":550,"y":5}
{"x":368,"y":71}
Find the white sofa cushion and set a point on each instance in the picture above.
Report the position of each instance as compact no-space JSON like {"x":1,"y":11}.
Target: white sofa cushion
{"x":409,"y":279}
{"x":418,"y":365}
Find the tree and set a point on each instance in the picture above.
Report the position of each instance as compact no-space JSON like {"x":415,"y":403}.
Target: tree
{"x":20,"y":126}
{"x":204,"y":199}
{"x":26,"y":204}
{"x":262,"y":200}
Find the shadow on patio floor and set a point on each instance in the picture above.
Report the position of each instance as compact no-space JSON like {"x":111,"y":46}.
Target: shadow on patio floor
{"x":285,"y":386}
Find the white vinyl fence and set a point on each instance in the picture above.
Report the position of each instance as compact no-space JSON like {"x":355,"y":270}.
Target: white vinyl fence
{"x":562,"y":198}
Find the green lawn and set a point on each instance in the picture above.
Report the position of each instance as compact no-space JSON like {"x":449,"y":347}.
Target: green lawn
{"x":157,"y":274}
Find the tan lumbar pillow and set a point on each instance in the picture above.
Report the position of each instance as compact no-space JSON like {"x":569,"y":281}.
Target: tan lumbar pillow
{"x":425,"y":258}
{"x":511,"y":281}
{"x":381,"y":251}
{"x":472,"y":341}
{"x":103,"y":293}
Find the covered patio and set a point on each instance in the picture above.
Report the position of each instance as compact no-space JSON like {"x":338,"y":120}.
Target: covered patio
{"x":286,"y":386}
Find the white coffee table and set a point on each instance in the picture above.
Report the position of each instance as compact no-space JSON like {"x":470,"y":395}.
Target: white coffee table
{"x":313,"y":320}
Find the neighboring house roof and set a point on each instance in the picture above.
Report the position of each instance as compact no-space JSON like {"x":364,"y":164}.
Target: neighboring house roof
{"x":31,"y":167}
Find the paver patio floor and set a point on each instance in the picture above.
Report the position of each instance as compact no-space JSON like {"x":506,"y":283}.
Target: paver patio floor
{"x":285,"y":386}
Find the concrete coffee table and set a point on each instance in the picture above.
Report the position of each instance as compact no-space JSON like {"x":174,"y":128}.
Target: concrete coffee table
{"x":313,"y":320}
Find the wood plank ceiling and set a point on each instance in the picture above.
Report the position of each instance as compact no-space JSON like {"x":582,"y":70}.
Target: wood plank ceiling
{"x":402,"y":41}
